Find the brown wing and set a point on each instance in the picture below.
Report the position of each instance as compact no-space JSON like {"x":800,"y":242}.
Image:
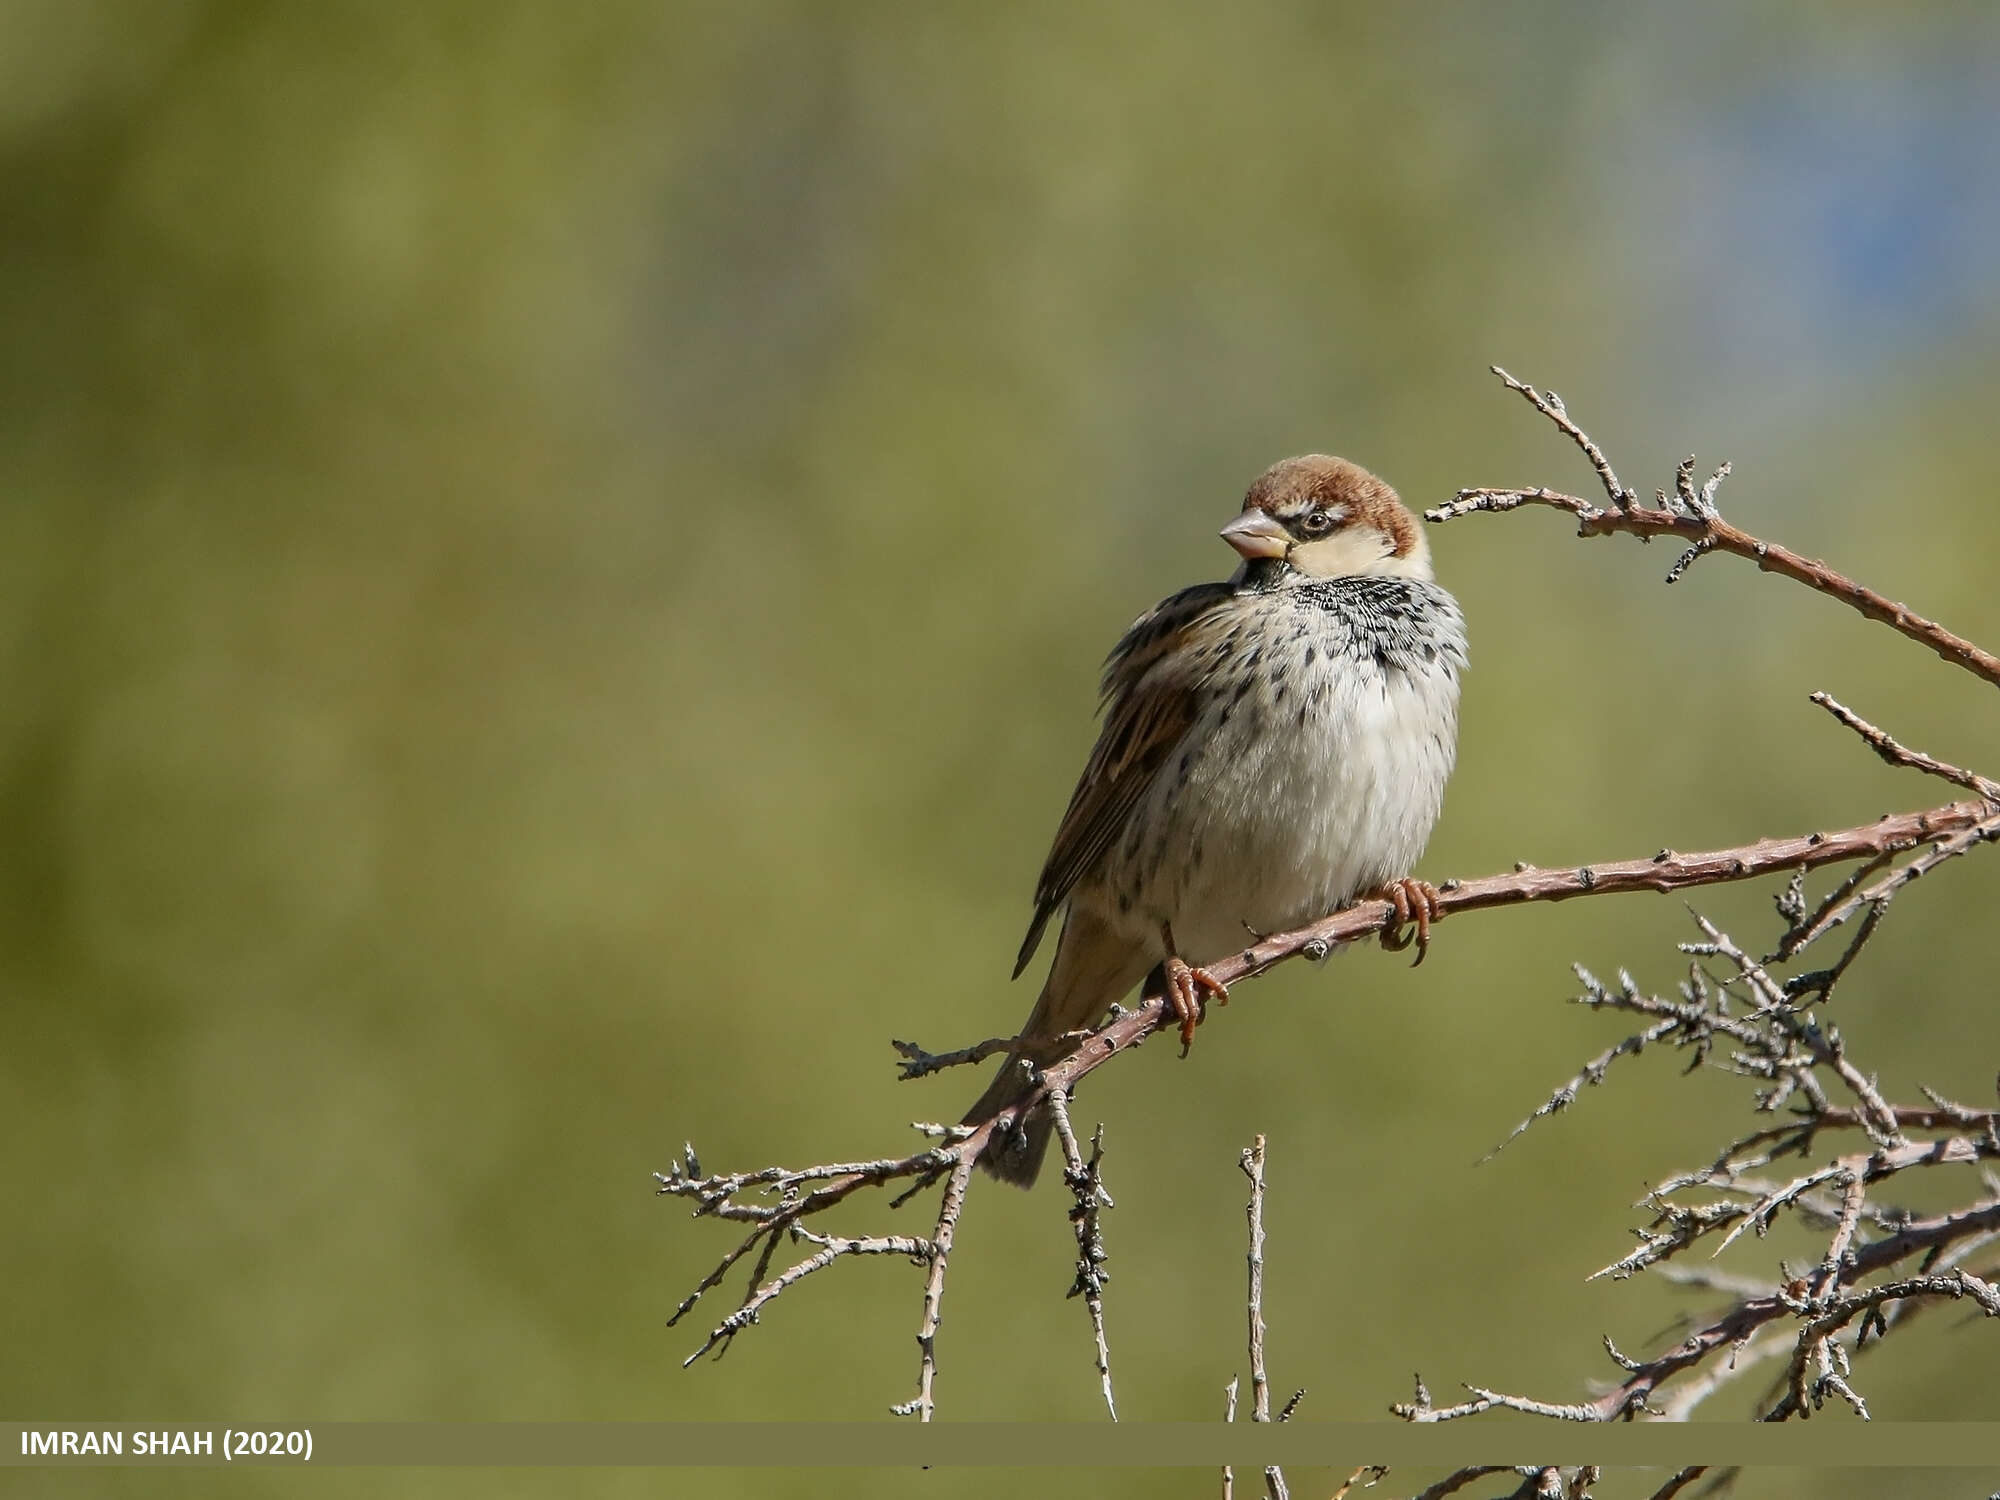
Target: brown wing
{"x":1150,"y":691}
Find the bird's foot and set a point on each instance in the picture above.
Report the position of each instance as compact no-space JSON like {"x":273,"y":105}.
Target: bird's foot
{"x":1417,"y":905}
{"x":1188,"y":989}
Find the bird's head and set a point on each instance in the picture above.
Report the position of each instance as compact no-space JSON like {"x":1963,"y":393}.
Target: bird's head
{"x":1324,"y":517}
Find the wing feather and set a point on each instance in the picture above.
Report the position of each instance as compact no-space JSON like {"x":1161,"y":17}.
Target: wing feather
{"x":1151,"y":696}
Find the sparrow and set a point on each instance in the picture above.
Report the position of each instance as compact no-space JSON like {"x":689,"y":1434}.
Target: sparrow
{"x":1273,"y":747}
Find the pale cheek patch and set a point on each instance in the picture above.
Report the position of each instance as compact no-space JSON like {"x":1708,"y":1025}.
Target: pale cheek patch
{"x":1358,"y":549}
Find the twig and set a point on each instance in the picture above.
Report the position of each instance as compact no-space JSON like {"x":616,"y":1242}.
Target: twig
{"x":1877,"y":1118}
{"x":917,"y":1063}
{"x":1086,"y":1184}
{"x":1551,"y":406}
{"x":1705,"y":531}
{"x":1985,"y":831}
{"x":1733,"y":1328}
{"x":1884,"y":745}
{"x":1260,"y":1384}
{"x":1776,"y":1042}
{"x":797,"y":1194}
{"x":830,"y":1251}
{"x":1779,"y":1041}
{"x":1252,"y":1164}
{"x":1486,"y":1400}
{"x":1742,"y":1359}
{"x":1806,"y":1391}
{"x":924,"y":1404}
{"x":1806,"y":929}
{"x":1589,"y":1075}
{"x":1799,"y":1132}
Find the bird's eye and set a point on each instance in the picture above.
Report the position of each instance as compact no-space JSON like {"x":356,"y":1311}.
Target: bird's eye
{"x":1316,"y":521}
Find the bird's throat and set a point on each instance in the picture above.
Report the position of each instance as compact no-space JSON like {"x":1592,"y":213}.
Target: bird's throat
{"x":1260,"y":575}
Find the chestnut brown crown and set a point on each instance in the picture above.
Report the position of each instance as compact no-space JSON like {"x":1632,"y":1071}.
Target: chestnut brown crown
{"x":1328,"y":518}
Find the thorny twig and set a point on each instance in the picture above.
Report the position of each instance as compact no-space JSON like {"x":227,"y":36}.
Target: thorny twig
{"x":917,"y":1062}
{"x":1777,"y":1044}
{"x":1086,"y":1182}
{"x":1691,"y":516}
{"x":1884,"y":745}
{"x":1252,"y":1164}
{"x":1260,"y":1382}
{"x":923,"y":1405}
{"x":772,"y":1199}
{"x":1766,"y":1028}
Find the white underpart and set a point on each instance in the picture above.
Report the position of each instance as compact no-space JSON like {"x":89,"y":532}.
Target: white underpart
{"x":1291,"y":820}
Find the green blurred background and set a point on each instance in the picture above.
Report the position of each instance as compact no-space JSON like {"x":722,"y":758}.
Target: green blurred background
{"x":552,"y":566}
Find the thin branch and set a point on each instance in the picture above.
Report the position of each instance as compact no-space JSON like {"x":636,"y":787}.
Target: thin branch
{"x":797,"y":1194}
{"x":1665,"y":871}
{"x":917,"y":1063}
{"x":1770,"y":1037}
{"x":1877,"y":1118}
{"x":924,"y":1404}
{"x":1589,"y":1075}
{"x":1985,"y":831}
{"x":1742,"y":1359}
{"x":830,"y":1250}
{"x":1804,"y":929}
{"x":1780,"y":1041}
{"x":1805,"y":1390}
{"x":1085,"y":1182}
{"x":1705,"y":531}
{"x":1896,"y":754}
{"x":1260,"y":1384}
{"x":1485,"y":1400}
{"x":1550,"y":405}
{"x":1733,"y":1328}
{"x":1797,"y":1134}
{"x":1867,"y":1166}
{"x":1252,"y":1164}
{"x":1853,"y":1200}
{"x":1878,"y":895}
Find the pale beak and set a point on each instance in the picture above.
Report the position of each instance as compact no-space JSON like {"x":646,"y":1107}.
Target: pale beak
{"x":1255,"y":535}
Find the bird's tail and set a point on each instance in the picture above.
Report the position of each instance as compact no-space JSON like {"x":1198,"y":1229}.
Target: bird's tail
{"x":1093,"y":967}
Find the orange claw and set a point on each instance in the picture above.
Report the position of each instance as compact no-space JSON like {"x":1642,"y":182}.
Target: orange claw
{"x":1187,"y":993}
{"x":1417,"y":902}
{"x":1188,"y":988}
